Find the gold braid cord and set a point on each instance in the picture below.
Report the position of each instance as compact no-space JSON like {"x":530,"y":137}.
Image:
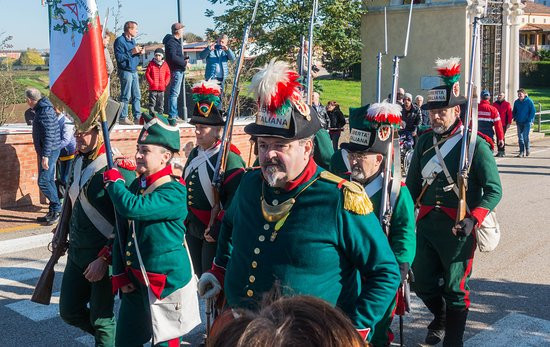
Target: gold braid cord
{"x":355,"y":197}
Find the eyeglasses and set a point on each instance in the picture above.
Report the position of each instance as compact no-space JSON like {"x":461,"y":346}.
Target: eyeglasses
{"x":358,"y":155}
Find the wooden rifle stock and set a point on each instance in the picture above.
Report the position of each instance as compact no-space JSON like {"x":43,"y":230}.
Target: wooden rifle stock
{"x":43,"y":290}
{"x":462,"y":182}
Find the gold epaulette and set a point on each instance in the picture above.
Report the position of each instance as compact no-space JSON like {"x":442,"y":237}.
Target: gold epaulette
{"x":355,"y":197}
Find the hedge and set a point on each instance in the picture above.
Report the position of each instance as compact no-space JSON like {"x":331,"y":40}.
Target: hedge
{"x":535,"y":74}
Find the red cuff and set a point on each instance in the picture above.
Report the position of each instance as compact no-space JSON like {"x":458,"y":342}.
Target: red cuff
{"x":479,"y":213}
{"x":218,"y":272}
{"x":220,"y":215}
{"x":119,"y":281}
{"x":106,"y":253}
{"x":112,"y":175}
{"x":364,"y":333}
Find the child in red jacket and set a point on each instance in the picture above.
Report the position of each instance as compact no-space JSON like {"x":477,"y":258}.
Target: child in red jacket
{"x":158,"y":77}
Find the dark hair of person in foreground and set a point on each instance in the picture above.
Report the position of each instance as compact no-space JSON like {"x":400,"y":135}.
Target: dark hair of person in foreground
{"x":290,"y":321}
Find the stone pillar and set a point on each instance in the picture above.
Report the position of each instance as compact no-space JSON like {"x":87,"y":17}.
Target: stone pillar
{"x":516,"y":10}
{"x":505,"y":55}
{"x":474,"y":9}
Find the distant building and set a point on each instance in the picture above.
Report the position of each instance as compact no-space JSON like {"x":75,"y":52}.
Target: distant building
{"x":535,"y":27}
{"x":441,"y":29}
{"x":10,"y":54}
{"x":191,"y":49}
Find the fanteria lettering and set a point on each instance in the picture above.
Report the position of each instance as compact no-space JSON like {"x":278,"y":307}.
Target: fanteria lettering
{"x":437,"y":95}
{"x":360,"y":137}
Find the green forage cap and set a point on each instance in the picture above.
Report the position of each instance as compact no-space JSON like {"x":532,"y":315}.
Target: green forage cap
{"x":160,"y":131}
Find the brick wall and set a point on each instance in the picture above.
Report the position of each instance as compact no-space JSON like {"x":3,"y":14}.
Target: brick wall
{"x":18,"y":186}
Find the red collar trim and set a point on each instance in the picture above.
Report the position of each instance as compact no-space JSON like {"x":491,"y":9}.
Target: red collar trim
{"x":305,"y":176}
{"x":457,"y":127}
{"x":152,"y":178}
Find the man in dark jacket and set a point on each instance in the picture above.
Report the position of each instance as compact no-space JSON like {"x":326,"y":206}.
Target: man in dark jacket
{"x":46,"y":138}
{"x":337,"y":121}
{"x":127,"y":59}
{"x":411,"y":117}
{"x":177,"y":63}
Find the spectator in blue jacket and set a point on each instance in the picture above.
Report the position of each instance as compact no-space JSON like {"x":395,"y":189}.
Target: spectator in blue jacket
{"x":177,"y":63}
{"x":46,"y":139}
{"x":217,"y":55}
{"x":127,"y":59}
{"x":524,"y":115}
{"x":67,"y":149}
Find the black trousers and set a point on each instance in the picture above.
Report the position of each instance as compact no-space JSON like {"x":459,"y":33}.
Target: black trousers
{"x":156,"y":102}
{"x":202,"y":252}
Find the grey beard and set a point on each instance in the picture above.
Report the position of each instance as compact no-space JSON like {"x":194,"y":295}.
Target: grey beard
{"x":440,"y":130}
{"x":270,"y":175}
{"x":357,"y":175}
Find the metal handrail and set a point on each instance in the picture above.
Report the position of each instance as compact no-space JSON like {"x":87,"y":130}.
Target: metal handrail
{"x":540,"y":121}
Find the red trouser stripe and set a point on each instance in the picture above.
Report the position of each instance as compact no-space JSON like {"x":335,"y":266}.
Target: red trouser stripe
{"x":467,"y":273}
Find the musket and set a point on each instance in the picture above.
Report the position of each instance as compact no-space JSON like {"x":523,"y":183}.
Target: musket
{"x":393,"y":149}
{"x":379,"y":60}
{"x":221,"y":162}
{"x":465,"y":151}
{"x":300,"y":59}
{"x":309,"y":85}
{"x":43,"y":290}
{"x":385,"y":208}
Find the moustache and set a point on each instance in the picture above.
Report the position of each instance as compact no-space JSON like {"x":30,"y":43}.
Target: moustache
{"x":273,"y":164}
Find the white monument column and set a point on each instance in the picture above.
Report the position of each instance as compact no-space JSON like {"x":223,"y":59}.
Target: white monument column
{"x":515,"y":13}
{"x":505,"y":54}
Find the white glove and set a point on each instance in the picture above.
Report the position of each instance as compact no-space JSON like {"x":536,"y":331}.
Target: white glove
{"x":209,"y":286}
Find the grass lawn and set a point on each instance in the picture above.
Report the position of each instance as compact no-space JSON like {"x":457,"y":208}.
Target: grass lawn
{"x":344,"y":92}
{"x":542,"y":96}
{"x":36,"y":79}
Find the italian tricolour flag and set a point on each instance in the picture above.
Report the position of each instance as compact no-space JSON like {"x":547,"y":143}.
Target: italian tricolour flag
{"x":78,"y":75}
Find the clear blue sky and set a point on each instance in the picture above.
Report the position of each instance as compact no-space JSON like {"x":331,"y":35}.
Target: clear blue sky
{"x":27,"y":20}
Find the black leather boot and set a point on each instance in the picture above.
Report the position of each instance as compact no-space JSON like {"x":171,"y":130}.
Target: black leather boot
{"x":454,"y":327}
{"x":436,"y":329}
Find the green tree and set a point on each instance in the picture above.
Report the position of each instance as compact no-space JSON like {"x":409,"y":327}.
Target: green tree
{"x":280,"y":24}
{"x":30,"y":57}
{"x":7,"y":85}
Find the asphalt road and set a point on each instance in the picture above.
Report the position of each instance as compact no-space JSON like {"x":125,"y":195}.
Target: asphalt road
{"x":510,"y":286}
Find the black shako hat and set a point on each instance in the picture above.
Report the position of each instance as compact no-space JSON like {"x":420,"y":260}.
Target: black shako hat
{"x":282,"y":112}
{"x":447,"y":95}
{"x":206,"y":95}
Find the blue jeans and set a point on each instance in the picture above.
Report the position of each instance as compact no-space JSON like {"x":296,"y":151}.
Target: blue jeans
{"x":46,"y":181}
{"x":176,"y":78}
{"x":63,"y":172}
{"x":523,"y":136}
{"x":129,"y":89}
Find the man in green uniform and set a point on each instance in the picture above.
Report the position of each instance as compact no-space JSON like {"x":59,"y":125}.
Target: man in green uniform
{"x":154,"y":206}
{"x":294,"y":225}
{"x":205,"y":213}
{"x":369,"y":138}
{"x":86,"y":299}
{"x":445,"y":248}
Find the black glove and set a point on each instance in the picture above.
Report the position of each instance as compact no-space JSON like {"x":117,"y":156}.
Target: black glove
{"x":404,"y":271}
{"x":215,"y":229}
{"x":464,"y":227}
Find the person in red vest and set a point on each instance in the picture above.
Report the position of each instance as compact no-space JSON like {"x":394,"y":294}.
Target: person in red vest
{"x":158,"y":78}
{"x":489,"y":119}
{"x":505,"y":110}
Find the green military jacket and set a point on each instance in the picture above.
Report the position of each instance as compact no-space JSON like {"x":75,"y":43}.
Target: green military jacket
{"x":158,"y":225}
{"x":322,"y":150}
{"x":198,"y":175}
{"x":402,"y":235}
{"x":484,"y":188}
{"x":320,"y":249}
{"x":83,"y":232}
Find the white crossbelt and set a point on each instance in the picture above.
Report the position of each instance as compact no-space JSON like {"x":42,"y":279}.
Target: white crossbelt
{"x":76,"y":191}
{"x":433,"y":166}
